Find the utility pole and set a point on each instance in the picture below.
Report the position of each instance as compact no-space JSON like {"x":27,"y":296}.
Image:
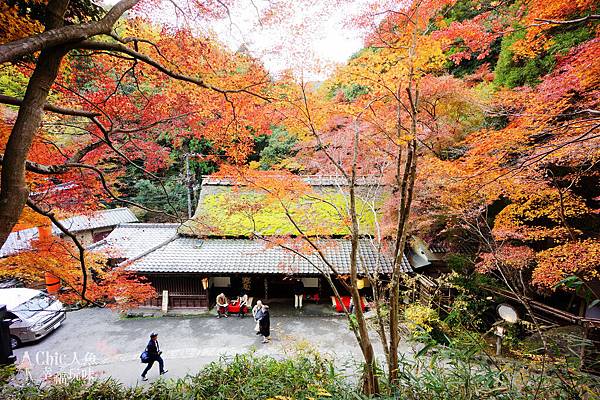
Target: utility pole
{"x":188,"y":182}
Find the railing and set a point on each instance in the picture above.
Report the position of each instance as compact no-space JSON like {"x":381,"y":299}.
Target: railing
{"x":549,"y":311}
{"x":180,"y":301}
{"x":188,"y":301}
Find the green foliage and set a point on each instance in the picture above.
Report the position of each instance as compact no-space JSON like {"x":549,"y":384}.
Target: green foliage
{"x":467,"y":312}
{"x":512,"y":73}
{"x":459,"y":262}
{"x":470,"y":66}
{"x":351,"y":92}
{"x":12,"y":82}
{"x":198,"y":165}
{"x":243,"y":377}
{"x":456,"y":373}
{"x":279,"y":146}
{"x":171,"y":198}
{"x":472,"y":310}
{"x":450,"y":373}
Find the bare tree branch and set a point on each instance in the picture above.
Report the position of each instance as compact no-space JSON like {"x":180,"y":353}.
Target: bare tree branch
{"x":13,"y":101}
{"x":570,"y":21}
{"x":38,"y":209}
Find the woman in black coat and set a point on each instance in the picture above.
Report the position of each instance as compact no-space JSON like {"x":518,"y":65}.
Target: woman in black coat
{"x":264,"y":323}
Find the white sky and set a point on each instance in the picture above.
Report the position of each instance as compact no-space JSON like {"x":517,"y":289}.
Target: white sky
{"x":325,"y":37}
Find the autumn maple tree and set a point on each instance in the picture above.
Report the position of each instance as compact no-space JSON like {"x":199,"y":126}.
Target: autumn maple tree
{"x":526,"y":183}
{"x":104,"y":94}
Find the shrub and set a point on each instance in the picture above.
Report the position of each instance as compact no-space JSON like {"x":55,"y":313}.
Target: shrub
{"x":243,"y":377}
{"x":453,"y":373}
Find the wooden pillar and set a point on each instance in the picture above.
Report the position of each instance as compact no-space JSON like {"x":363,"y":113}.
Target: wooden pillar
{"x":319,"y":288}
{"x":165,"y":301}
{"x":266,"y":289}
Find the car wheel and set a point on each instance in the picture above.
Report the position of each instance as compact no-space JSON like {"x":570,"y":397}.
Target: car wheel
{"x":15,"y":342}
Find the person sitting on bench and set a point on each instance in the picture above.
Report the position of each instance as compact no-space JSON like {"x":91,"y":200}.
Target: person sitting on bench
{"x":243,"y":299}
{"x":222,"y":306}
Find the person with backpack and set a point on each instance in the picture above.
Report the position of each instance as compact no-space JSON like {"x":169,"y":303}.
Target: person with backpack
{"x":153,"y":354}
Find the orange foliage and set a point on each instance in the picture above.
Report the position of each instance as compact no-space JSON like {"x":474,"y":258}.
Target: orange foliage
{"x":14,"y":26}
{"x":115,"y":287}
{"x":538,"y":38}
{"x":581,"y":259}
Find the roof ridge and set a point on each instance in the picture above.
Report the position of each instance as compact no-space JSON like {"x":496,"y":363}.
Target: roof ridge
{"x":97,"y":244}
{"x":94,"y":212}
{"x":145,"y":253}
{"x":149,"y":224}
{"x":115,"y":209}
{"x":314,"y":180}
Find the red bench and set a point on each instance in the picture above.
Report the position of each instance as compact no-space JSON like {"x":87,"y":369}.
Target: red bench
{"x":234,"y":308}
{"x":346,"y":301}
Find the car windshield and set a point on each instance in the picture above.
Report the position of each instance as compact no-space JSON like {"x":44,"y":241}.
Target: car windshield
{"x":34,"y":305}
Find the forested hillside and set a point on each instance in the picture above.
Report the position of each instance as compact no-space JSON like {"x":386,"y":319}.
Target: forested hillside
{"x":508,"y":142}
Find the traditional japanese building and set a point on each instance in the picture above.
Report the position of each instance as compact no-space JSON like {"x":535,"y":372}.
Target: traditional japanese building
{"x":89,"y":228}
{"x":235,"y":242}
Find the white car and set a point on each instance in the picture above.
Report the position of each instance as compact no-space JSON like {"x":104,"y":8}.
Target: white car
{"x":33,"y":314}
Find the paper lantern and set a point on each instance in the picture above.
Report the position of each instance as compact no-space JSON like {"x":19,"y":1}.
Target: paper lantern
{"x":360,"y":283}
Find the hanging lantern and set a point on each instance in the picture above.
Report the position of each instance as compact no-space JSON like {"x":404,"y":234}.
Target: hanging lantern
{"x":204,"y":283}
{"x":52,"y":283}
{"x":360,"y":283}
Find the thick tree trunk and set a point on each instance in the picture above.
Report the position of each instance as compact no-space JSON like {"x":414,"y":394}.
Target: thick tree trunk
{"x":53,"y":45}
{"x":13,"y":188}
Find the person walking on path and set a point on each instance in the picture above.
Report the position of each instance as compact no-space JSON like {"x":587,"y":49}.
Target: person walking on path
{"x":298,"y":293}
{"x":154,"y":353}
{"x":222,"y":305}
{"x":264,"y":323}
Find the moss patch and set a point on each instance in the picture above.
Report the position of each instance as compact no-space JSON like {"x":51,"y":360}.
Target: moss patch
{"x":233,"y":214}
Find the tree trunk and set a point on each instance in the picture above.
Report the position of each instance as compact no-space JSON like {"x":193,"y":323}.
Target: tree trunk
{"x":370,"y":380}
{"x":407,"y":184}
{"x":13,"y":187}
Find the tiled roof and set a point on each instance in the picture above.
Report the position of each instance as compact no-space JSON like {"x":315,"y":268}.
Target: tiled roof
{"x":313,"y":180}
{"x":18,"y":241}
{"x":99,"y":219}
{"x":246,"y":256}
{"x":438,"y":248}
{"x":21,"y":240}
{"x":131,"y":240}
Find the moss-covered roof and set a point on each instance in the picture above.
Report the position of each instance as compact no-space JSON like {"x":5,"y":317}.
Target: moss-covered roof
{"x":231,"y":213}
